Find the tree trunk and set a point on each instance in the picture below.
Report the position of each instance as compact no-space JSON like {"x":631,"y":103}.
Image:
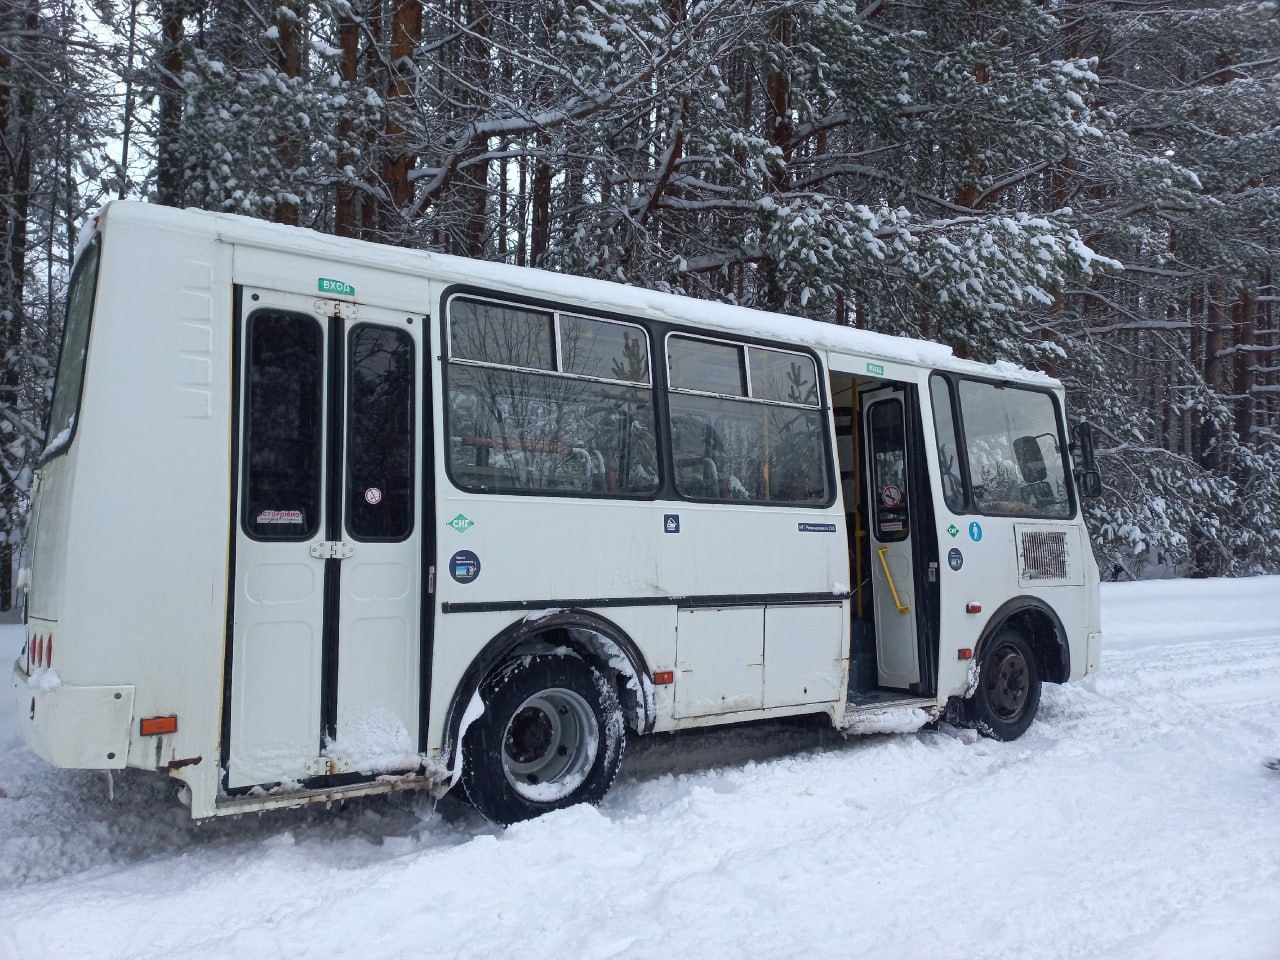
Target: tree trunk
{"x":20,"y":18}
{"x":344,"y":208}
{"x":473,"y":181}
{"x":406,"y":30}
{"x":1209,"y":452}
{"x":127,"y":123}
{"x":287,"y":57}
{"x":169,"y":160}
{"x":778,"y":132}
{"x":540,"y":235}
{"x":1245,"y":372}
{"x":371,"y":210}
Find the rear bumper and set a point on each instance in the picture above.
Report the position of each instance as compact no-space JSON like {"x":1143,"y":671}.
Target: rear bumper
{"x":70,"y":726}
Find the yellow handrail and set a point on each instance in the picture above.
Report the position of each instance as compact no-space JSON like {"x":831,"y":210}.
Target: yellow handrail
{"x":902,"y":607}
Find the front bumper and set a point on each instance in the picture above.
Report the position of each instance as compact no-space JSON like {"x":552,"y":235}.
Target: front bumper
{"x":85,"y":728}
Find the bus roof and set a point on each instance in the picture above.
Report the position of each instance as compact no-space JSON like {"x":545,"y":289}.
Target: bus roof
{"x":583,"y":291}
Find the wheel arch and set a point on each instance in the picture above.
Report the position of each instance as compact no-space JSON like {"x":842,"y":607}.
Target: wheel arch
{"x":594,"y":638}
{"x":1043,"y":630}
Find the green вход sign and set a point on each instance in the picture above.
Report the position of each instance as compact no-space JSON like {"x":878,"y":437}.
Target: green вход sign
{"x":336,"y":287}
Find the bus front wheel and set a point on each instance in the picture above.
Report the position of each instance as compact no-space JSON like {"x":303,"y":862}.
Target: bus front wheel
{"x":551,"y":735}
{"x":1008,"y":692}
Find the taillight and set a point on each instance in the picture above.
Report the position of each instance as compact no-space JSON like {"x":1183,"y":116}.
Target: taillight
{"x":48,"y":652}
{"x":39,"y":651}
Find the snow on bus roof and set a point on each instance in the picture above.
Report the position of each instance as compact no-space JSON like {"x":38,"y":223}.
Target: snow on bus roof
{"x":584,"y":291}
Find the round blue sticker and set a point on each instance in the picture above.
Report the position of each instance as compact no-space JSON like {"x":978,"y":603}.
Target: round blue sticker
{"x":955,"y":559}
{"x":975,"y":531}
{"x":464,"y":566}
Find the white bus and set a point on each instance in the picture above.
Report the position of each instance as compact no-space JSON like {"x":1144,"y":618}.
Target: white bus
{"x":321,"y":518}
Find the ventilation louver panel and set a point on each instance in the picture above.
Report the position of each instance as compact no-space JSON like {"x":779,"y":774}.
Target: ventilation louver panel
{"x":1044,"y":555}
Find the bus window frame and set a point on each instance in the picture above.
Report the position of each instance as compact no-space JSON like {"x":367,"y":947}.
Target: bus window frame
{"x":415,"y":381}
{"x":314,"y":527}
{"x":971,"y":507}
{"x":94,"y":246}
{"x":557,"y":310}
{"x":820,"y":407}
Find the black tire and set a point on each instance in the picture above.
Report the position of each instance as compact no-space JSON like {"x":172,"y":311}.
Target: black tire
{"x":551,"y":736}
{"x":1008,"y":693}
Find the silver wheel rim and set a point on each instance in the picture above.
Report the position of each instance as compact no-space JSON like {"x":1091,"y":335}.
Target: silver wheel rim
{"x":1008,"y":683}
{"x":549,"y":745}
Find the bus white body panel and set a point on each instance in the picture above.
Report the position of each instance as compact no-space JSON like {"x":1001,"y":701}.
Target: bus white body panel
{"x":195,"y":608}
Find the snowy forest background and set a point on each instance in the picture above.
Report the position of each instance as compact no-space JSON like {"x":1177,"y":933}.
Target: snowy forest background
{"x":1089,"y":188}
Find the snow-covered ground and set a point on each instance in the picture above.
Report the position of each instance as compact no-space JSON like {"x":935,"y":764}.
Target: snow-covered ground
{"x":1134,"y":820}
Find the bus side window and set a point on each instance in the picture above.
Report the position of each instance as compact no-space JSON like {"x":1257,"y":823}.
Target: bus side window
{"x":746,"y":423}
{"x":944,"y":425}
{"x":380,"y":397}
{"x":889,"y":472}
{"x":548,"y":402}
{"x":283,"y":426}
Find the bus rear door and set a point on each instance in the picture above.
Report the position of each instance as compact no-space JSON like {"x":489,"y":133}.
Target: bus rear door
{"x":325,"y":638}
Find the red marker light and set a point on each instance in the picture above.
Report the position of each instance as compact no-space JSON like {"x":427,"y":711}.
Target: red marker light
{"x":973,"y":607}
{"x":663,"y":677}
{"x":154,"y":726}
{"x":964,"y":653}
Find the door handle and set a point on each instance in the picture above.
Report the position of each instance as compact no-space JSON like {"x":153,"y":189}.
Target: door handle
{"x":902,"y":607}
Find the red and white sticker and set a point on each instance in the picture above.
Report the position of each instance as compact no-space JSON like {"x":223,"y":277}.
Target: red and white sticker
{"x":280,"y":516}
{"x":372,"y":495}
{"x":891,"y":496}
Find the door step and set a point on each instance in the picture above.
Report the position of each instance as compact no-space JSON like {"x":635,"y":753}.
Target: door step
{"x":258,"y":801}
{"x":906,"y":715}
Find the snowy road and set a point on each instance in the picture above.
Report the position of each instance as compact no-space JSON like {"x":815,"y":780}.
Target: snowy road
{"x":1134,"y":820}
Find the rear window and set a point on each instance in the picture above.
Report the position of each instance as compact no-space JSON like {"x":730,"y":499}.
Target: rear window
{"x":75,"y":345}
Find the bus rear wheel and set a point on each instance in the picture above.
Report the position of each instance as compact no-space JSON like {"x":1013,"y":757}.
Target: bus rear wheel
{"x":551,"y":736}
{"x":1008,"y":693}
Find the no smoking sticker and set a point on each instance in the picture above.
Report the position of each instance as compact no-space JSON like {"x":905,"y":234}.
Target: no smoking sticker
{"x":891,"y":496}
{"x":373,"y":496}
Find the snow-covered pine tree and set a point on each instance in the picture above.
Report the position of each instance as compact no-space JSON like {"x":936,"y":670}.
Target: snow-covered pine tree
{"x":1182,"y":344}
{"x":867,"y":162}
{"x":249,"y":100}
{"x":53,"y":104}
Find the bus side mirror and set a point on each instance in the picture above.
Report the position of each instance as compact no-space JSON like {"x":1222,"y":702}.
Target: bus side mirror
{"x":1088,"y":480}
{"x":1030,"y":459}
